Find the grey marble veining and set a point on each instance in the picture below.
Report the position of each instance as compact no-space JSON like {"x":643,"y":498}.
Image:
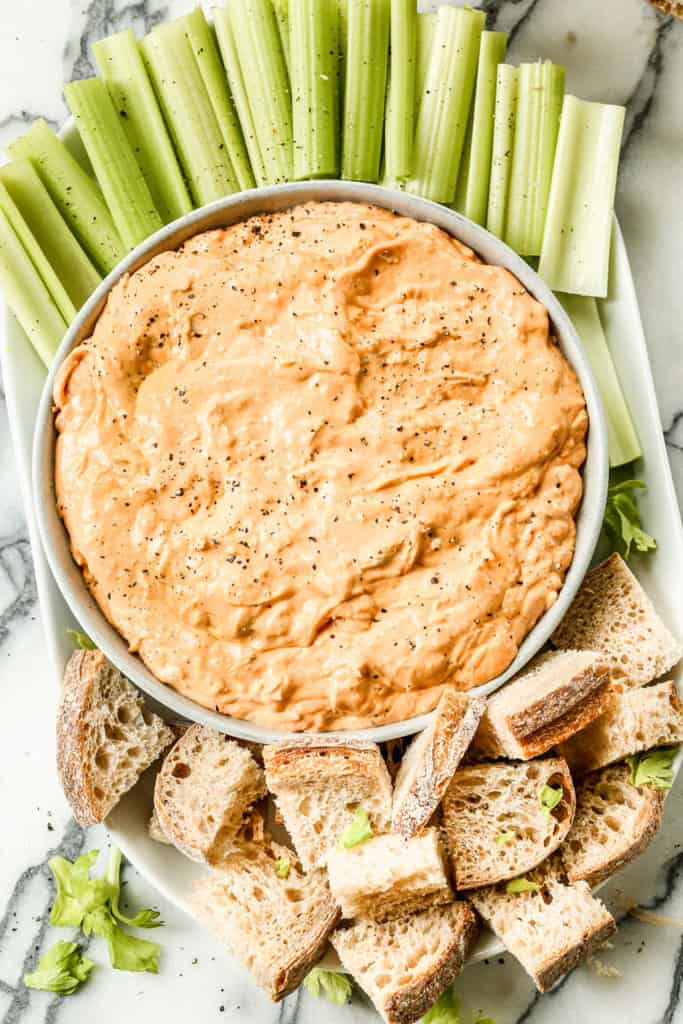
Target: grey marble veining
{"x":615,"y":50}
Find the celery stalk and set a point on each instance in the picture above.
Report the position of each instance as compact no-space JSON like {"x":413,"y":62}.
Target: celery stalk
{"x":501,"y":153}
{"x":342,"y":28}
{"x":121,"y":180}
{"x":281,"y":8}
{"x":313,"y":28}
{"x":264,"y":71}
{"x":27,"y":295}
{"x":400,"y":115}
{"x":58,"y":292}
{"x":208,"y":60}
{"x":226,"y":44}
{"x":578,"y":225}
{"x":122,"y":68}
{"x":621,"y":435}
{"x":76,"y":195}
{"x":445,"y":103}
{"x":365,"y":81}
{"x":473,"y":181}
{"x":60,"y":248}
{"x":539,"y":102}
{"x":426,"y":30}
{"x":188,"y":112}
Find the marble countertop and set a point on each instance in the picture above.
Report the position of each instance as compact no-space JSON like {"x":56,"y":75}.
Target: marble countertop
{"x":615,"y":50}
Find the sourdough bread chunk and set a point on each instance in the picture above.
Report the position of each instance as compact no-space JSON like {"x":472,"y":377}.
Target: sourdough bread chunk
{"x":550,"y":931}
{"x":614,"y":822}
{"x":559,"y":693}
{"x":319,"y":782}
{"x":276,"y":926}
{"x":495,"y":825}
{"x":106,"y":737}
{"x":389,"y":876}
{"x":612,"y":614}
{"x":204,"y":789}
{"x":635,"y":721}
{"x":432,"y":759}
{"x":405,"y":965}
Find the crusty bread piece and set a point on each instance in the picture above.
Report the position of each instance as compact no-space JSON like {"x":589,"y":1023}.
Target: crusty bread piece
{"x":106,"y":737}
{"x":203,"y":791}
{"x":432,"y":759}
{"x":319,"y":782}
{"x":485,"y":801}
{"x":559,"y":693}
{"x":636,"y":720}
{"x":405,"y":965}
{"x":612,"y":614}
{"x":276,"y":926}
{"x":389,"y":876}
{"x":550,"y":931}
{"x":614,"y":822}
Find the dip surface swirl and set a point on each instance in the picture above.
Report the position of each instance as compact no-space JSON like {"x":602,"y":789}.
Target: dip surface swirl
{"x":319,"y":464}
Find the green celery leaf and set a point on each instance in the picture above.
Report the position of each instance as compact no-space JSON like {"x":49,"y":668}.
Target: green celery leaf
{"x":282,"y":866}
{"x":516,"y":885}
{"x":77,"y":892}
{"x":445,"y":1011}
{"x":81,"y":640}
{"x":357,"y":832}
{"x":144,"y":918}
{"x":61,"y":969}
{"x":622,"y":519}
{"x":126,"y":952}
{"x":335,"y":985}
{"x":654,"y":768}
{"x":505,"y":837}
{"x":549,"y":797}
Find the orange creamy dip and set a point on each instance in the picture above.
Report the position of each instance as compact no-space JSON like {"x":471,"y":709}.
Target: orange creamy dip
{"x":319,"y":464}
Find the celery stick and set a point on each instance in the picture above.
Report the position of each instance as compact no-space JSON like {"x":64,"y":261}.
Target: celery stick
{"x":281,"y":8}
{"x":426,"y":30}
{"x":122,"y":68}
{"x":313,"y":27}
{"x":365,"y":81}
{"x":445,"y":103}
{"x":342,"y":28}
{"x":473,"y":181}
{"x":116,"y":169}
{"x":206,"y":54}
{"x":539,"y":102}
{"x":188,"y":112}
{"x":578,"y":225}
{"x":61,"y":249}
{"x":264,"y":71}
{"x":58,"y":292}
{"x":501,"y":152}
{"x":226,"y":43}
{"x":76,"y":194}
{"x":400,"y":116}
{"x":27,"y":295}
{"x":622,"y":438}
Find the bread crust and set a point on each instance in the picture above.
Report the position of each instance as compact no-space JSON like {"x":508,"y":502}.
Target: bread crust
{"x":423,"y":779}
{"x":298,"y":759}
{"x":83,"y":671}
{"x":550,"y":972}
{"x":669,"y":7}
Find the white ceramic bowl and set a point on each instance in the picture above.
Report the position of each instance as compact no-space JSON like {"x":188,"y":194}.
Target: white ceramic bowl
{"x":228,"y":211}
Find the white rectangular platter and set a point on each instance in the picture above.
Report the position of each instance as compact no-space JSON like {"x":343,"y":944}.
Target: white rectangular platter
{"x":661,"y":572}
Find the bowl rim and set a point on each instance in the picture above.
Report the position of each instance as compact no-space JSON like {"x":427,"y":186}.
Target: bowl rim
{"x":238,"y":207}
